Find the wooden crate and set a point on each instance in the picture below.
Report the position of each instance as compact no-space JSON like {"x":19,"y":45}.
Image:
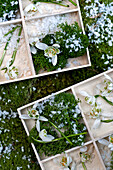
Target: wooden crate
{"x":82,"y":61}
{"x":105,"y":130}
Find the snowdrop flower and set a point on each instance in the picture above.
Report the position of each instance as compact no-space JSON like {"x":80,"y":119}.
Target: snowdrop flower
{"x":95,"y":112}
{"x":43,"y":135}
{"x":12,"y":73}
{"x":106,"y":87}
{"x":33,"y":40}
{"x":88,"y":98}
{"x":86,"y":154}
{"x":33,"y":114}
{"x":30,"y":10}
{"x":49,"y":51}
{"x":107,"y":143}
{"x":64,"y":162}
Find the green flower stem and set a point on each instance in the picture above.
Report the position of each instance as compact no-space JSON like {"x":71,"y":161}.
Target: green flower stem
{"x":5,"y":49}
{"x":103,"y":97}
{"x":13,"y":29}
{"x":60,"y":132}
{"x":72,"y":2}
{"x":107,"y":121}
{"x":84,"y":166}
{"x":55,"y":140}
{"x":15,"y":51}
{"x":52,"y":3}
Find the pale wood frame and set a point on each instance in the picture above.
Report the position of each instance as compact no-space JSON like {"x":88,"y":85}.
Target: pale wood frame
{"x":23,"y":21}
{"x":93,"y":140}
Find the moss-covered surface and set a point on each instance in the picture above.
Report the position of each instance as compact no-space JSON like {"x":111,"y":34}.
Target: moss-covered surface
{"x":71,"y":41}
{"x":62,"y":110}
{"x":18,"y":94}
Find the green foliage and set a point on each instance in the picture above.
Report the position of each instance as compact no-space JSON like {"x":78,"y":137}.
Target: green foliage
{"x":69,"y":33}
{"x":44,"y":86}
{"x":8,"y":9}
{"x":42,"y":62}
{"x":16,"y":151}
{"x":111,"y":167}
{"x":61,"y":110}
{"x":66,"y":37}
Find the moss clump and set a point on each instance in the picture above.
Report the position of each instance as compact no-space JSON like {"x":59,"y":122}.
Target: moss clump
{"x":72,"y":41}
{"x":63,"y":111}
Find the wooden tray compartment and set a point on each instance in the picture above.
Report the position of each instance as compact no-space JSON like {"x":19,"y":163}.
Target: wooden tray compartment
{"x":94,"y":164}
{"x":89,"y":86}
{"x":22,"y":60}
{"x":70,"y":17}
{"x":105,"y":152}
{"x":48,"y":8}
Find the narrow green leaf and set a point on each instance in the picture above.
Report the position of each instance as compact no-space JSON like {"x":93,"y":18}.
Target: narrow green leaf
{"x":5,"y":49}
{"x":103,"y":97}
{"x":61,"y":132}
{"x":84,"y":166}
{"x":72,"y":2}
{"x":107,"y":121}
{"x":11,"y":31}
{"x":15,"y":51}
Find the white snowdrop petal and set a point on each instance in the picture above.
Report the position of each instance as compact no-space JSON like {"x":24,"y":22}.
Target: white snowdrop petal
{"x":49,"y":138}
{"x":83,"y":149}
{"x":56,"y":45}
{"x":83,"y":93}
{"x":66,"y":169}
{"x":69,"y":160}
{"x":38,"y":125}
{"x":107,"y":77}
{"x":33,"y":50}
{"x":110,"y":145}
{"x":54,"y":60}
{"x":43,"y":135}
{"x":41,"y":46}
{"x":111,"y":149}
{"x":73,"y":166}
{"x":103,"y":141}
{"x":24,"y":116}
{"x":35,"y":105}
{"x":43,"y":118}
{"x":96,"y":124}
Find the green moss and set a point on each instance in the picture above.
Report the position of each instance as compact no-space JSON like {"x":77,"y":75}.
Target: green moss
{"x":6,"y":7}
{"x":17,"y":151}
{"x":61,"y":37}
{"x":66,"y":37}
{"x":65,"y":117}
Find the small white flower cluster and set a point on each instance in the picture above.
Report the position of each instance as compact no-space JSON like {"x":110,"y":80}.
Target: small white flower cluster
{"x":9,"y":14}
{"x":73,"y":43}
{"x":6,"y":150}
{"x":101,"y":30}
{"x":4,"y":114}
{"x":108,"y":60}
